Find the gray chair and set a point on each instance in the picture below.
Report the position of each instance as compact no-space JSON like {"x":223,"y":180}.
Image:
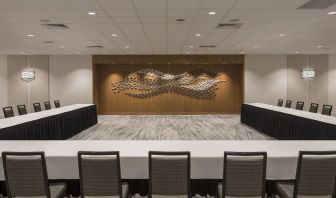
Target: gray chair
{"x":327,"y":109}
{"x":37,"y":107}
{"x":315,"y":176}
{"x":47,"y":105}
{"x":26,"y":176}
{"x":244,"y":175}
{"x":313,"y":107}
{"x":169,"y":174}
{"x":8,"y":112}
{"x":57,"y":103}
{"x":280,"y":102}
{"x":99,"y":174}
{"x":299,"y":105}
{"x":288,"y":104}
{"x":22,"y":109}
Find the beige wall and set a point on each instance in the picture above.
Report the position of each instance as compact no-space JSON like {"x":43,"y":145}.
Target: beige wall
{"x":71,"y":79}
{"x":265,"y":78}
{"x":3,"y":83}
{"x":332,"y":81}
{"x":20,"y":92}
{"x":315,"y":90}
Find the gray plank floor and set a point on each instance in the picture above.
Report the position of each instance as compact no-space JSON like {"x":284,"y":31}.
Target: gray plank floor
{"x":170,"y":127}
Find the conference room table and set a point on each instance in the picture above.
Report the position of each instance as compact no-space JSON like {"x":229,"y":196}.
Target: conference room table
{"x":206,"y":156}
{"x":54,"y":124}
{"x":288,"y":124}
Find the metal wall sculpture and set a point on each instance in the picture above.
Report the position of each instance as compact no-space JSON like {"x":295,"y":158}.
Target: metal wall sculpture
{"x":199,"y":84}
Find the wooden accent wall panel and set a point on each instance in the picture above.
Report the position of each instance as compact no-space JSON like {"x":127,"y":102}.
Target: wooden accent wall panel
{"x":229,"y":95}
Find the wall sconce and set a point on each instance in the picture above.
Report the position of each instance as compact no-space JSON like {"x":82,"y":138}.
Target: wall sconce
{"x":308,"y":74}
{"x":27,"y":75}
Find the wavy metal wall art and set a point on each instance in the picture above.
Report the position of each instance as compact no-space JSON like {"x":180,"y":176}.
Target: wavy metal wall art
{"x":145,"y":83}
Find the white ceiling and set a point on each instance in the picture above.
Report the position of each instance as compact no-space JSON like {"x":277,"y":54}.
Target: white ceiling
{"x":150,"y":27}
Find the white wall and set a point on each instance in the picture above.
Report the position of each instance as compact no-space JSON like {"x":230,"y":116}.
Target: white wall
{"x":70,"y":79}
{"x":265,"y":78}
{"x":3,"y":83}
{"x":332,"y":81}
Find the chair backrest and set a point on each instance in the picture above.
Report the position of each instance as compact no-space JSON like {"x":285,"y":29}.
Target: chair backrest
{"x":244,"y":174}
{"x":57,"y":103}
{"x":37,"y":107}
{"x":22,"y":109}
{"x":8,"y":112}
{"x":25,"y":174}
{"x":299,"y":105}
{"x":169,"y":174}
{"x":288,"y":104}
{"x":47,"y":105}
{"x":99,"y":174}
{"x":280,"y":102}
{"x":313,"y":107}
{"x":315,"y":174}
{"x":327,"y":109}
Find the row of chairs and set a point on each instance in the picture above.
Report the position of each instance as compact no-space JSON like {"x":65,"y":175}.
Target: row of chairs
{"x":22,"y":110}
{"x":169,"y":175}
{"x":326,"y":109}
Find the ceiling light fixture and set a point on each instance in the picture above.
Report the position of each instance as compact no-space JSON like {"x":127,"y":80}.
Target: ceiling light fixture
{"x":191,"y":46}
{"x":61,"y":46}
{"x":30,"y":35}
{"x":282,"y":34}
{"x":242,"y":52}
{"x":127,"y":46}
{"x":187,"y":52}
{"x":114,"y":35}
{"x":331,"y":13}
{"x":255,"y":46}
{"x":319,"y":46}
{"x":198,"y":34}
{"x":212,"y":13}
{"x":297,"y":52}
{"x":92,"y":13}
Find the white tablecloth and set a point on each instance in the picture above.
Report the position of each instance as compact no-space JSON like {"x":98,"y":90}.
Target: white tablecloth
{"x":206,"y":156}
{"x":8,"y":122}
{"x":305,"y":114}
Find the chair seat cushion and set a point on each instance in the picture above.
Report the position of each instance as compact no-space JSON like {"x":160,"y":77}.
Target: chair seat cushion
{"x":285,"y":189}
{"x":125,"y":189}
{"x":169,"y":196}
{"x":57,"y":190}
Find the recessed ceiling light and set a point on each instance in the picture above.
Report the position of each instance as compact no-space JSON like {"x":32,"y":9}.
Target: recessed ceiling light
{"x":191,"y":46}
{"x":198,"y":34}
{"x":30,"y":35}
{"x":114,"y":35}
{"x":92,"y":13}
{"x":61,"y":46}
{"x":242,"y":52}
{"x":319,"y":46}
{"x":255,"y":46}
{"x":126,"y":46}
{"x":212,"y":13}
{"x":297,"y":52}
{"x":187,"y":52}
{"x":331,"y":13}
{"x":282,"y":34}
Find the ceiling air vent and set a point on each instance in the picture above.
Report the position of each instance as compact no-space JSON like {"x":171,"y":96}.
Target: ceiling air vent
{"x":229,"y":25}
{"x":317,"y":4}
{"x":94,"y":46}
{"x":55,"y":26}
{"x":207,"y":46}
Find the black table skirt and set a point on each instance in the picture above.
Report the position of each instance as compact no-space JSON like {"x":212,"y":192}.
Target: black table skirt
{"x":201,"y":187}
{"x":284,"y":126}
{"x":56,"y":127}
